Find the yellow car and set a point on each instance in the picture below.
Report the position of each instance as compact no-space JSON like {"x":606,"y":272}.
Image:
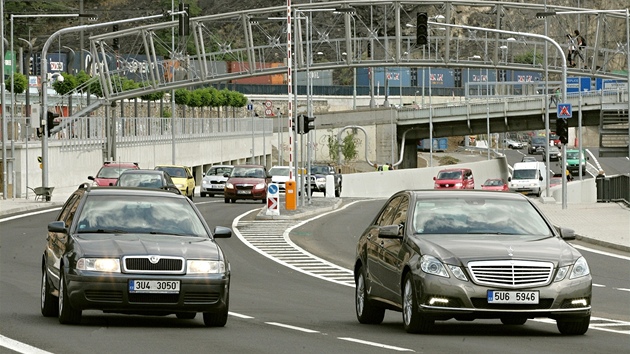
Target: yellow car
{"x":182,"y":177}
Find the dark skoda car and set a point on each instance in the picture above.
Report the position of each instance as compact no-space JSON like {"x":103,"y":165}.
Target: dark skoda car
{"x":136,"y":251}
{"x":438,"y":255}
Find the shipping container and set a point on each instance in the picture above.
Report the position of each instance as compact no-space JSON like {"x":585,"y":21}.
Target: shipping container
{"x":439,"y":144}
{"x":319,"y":77}
{"x":238,"y":67}
{"x":396,"y":77}
{"x":438,"y":77}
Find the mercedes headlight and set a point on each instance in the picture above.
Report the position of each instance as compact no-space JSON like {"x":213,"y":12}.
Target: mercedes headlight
{"x":580,"y":269}
{"x":432,"y":265}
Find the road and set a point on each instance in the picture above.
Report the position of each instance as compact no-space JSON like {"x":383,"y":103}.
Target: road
{"x":279,"y":309}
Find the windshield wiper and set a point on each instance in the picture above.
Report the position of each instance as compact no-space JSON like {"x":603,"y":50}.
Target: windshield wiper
{"x":102,"y":231}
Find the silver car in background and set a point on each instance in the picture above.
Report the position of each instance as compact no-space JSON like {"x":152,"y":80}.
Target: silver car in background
{"x":213,"y":181}
{"x":469,"y":254}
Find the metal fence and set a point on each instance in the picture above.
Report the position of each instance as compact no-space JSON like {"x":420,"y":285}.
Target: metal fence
{"x":91,"y":132}
{"x":613,"y":189}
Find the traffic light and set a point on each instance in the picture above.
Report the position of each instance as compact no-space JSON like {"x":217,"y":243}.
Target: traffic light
{"x":50,"y":121}
{"x":297,"y":124}
{"x":31,"y":62}
{"x":562,"y":129}
{"x":184,"y":20}
{"x":422,"y":28}
{"x":308,"y":124}
{"x":115,"y":43}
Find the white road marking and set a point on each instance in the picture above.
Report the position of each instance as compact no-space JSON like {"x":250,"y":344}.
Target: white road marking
{"x":29,"y":214}
{"x":622,"y":289}
{"x":599,"y":286}
{"x":240,"y":315}
{"x":20,"y":347}
{"x":601,"y":252}
{"x":301,"y":329}
{"x":374,"y":344}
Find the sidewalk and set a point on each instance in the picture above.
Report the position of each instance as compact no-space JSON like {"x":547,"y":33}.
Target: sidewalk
{"x":605,"y":224}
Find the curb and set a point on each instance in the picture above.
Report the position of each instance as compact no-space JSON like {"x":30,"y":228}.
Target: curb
{"x":602,"y":243}
{"x":263,"y":216}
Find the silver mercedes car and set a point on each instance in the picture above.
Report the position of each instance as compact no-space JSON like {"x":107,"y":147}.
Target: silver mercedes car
{"x":439,"y":255}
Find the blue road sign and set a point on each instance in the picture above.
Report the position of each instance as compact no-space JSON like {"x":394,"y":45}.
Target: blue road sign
{"x":565,"y":110}
{"x":272,"y":189}
{"x":250,"y":107}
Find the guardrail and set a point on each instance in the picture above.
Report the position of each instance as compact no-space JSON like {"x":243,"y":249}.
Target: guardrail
{"x":613,"y":189}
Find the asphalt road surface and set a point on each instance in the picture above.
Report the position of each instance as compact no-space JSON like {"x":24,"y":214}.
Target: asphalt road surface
{"x":278,"y":309}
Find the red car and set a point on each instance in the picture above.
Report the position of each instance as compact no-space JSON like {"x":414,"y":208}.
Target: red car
{"x":109,"y":173}
{"x":247,"y":182}
{"x":454,"y":178}
{"x":495,"y":184}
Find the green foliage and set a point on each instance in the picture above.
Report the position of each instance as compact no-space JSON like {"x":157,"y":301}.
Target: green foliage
{"x":448,"y":160}
{"x":68,"y":84}
{"x":348,"y":146}
{"x":182,"y":96}
{"x":528,"y":58}
{"x":153,"y":96}
{"x":20,"y":84}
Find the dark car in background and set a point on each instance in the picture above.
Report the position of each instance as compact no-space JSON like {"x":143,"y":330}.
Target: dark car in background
{"x":133,"y":251}
{"x":317,"y":178}
{"x":147,"y":179}
{"x":439,"y":255}
{"x":247,"y":182}
{"x":537,"y":145}
{"x":109,"y":172}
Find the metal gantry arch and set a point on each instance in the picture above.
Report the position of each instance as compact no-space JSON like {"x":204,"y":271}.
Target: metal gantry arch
{"x":353,"y":34}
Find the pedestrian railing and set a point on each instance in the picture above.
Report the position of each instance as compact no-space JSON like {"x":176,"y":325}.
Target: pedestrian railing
{"x":613,"y":189}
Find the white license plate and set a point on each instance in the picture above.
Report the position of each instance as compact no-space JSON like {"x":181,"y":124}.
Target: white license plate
{"x":244,"y":192}
{"x":154,"y":286}
{"x":512,"y":297}
{"x":216,"y":186}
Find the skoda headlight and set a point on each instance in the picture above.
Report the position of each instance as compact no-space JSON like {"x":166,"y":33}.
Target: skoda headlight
{"x":110,"y":265}
{"x":196,"y":266}
{"x":432,"y":265}
{"x":229,"y":185}
{"x":259,"y":186}
{"x":580,"y":269}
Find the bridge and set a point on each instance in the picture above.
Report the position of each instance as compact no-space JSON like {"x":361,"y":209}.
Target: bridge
{"x":352,"y":34}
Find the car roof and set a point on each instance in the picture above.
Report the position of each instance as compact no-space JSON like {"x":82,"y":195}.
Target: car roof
{"x":461,"y":193}
{"x":119,"y":164}
{"x":455,"y":169}
{"x":250,"y":166}
{"x":129,"y":191}
{"x":220,"y":166}
{"x":180,"y":166}
{"x":144,"y":171}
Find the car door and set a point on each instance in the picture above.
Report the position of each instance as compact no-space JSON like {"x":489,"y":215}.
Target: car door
{"x":375,"y":248}
{"x":391,"y":259}
{"x":56,"y":242}
{"x":190,"y":179}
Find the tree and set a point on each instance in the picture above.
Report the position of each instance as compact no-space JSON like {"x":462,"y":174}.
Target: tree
{"x":67,"y":85}
{"x":20,"y":84}
{"x":348,"y":146}
{"x":182,"y":97}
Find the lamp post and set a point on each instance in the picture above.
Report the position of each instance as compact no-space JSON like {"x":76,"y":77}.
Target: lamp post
{"x":28,"y":112}
{"x":44,"y":136}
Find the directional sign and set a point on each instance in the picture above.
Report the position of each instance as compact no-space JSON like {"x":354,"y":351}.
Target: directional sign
{"x":250,"y":107}
{"x":273,"y":197}
{"x":565,"y":110}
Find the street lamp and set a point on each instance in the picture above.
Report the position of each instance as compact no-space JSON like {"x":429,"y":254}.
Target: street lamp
{"x":91,"y":17}
{"x":28,"y":111}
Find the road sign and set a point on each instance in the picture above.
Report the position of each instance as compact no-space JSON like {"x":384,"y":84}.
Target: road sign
{"x":268,"y":104}
{"x":273,"y":197}
{"x":250,"y":107}
{"x":268,"y":112}
{"x":564,"y":110}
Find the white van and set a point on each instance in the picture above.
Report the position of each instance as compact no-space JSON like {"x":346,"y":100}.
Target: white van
{"x":528,"y":178}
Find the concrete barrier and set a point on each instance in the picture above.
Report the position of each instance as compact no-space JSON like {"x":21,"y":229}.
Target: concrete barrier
{"x":382,"y":184}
